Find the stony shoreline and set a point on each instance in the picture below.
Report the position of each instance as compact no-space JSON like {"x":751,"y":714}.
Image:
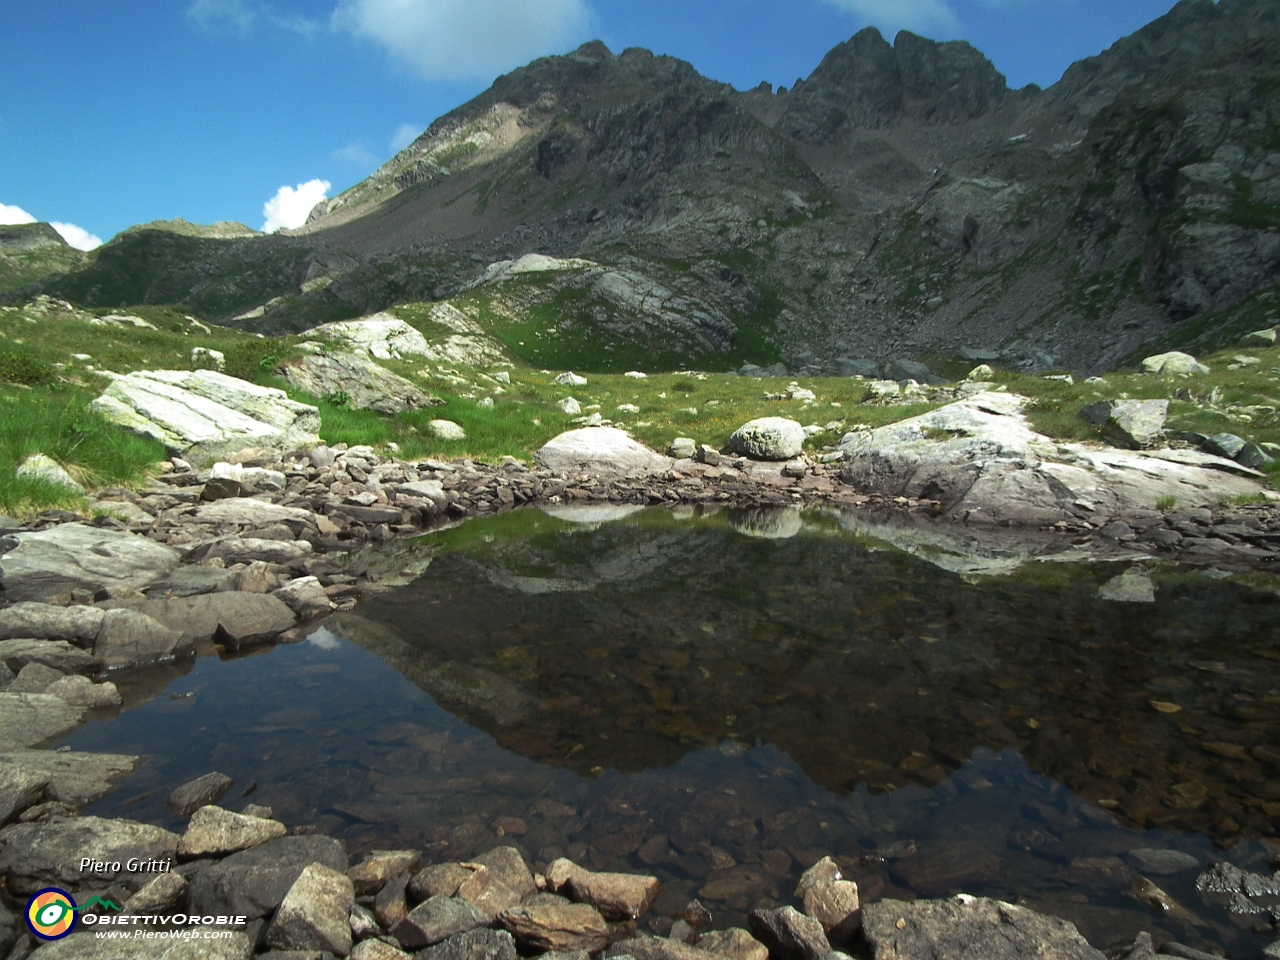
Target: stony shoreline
{"x":243,"y":553}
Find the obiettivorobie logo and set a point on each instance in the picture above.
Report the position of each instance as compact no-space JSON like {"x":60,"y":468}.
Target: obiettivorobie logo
{"x":51,"y":913}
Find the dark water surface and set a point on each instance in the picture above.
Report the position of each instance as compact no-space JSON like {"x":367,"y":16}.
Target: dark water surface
{"x":723,"y":699}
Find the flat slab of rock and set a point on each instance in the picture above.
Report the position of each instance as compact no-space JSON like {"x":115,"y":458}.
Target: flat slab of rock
{"x":980,"y":458}
{"x":48,"y":854}
{"x":769,"y":438}
{"x":191,"y":796}
{"x":215,"y":832}
{"x":438,"y":880}
{"x":206,"y":415}
{"x":601,"y":451}
{"x":381,"y":335}
{"x":969,"y":928}
{"x":19,"y":789}
{"x":27,"y":719}
{"x":237,"y":616}
{"x":86,"y":946}
{"x":74,"y":556}
{"x":245,"y":511}
{"x":618,"y":896}
{"x":252,"y":883}
{"x":44,"y":621}
{"x":314,"y":913}
{"x":58,"y":654}
{"x":549,"y":922}
{"x":74,"y":778}
{"x":435,"y":920}
{"x":363,"y":384}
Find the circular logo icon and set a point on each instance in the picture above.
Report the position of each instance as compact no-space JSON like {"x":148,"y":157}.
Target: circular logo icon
{"x":51,"y":913}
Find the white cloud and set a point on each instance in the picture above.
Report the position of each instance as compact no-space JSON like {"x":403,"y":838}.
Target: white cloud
{"x":356,"y":155}
{"x":78,"y":237}
{"x":467,"y":39}
{"x":10,"y":214}
{"x":222,"y":16}
{"x":290,"y":206}
{"x":405,"y":134}
{"x":237,"y":16}
{"x":894,"y":15}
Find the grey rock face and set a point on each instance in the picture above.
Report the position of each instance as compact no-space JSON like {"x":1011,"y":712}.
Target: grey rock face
{"x":435,"y":920}
{"x":313,"y":914}
{"x":235,"y":616}
{"x":969,"y":928}
{"x":191,"y":581}
{"x":769,"y":438}
{"x":27,"y":719}
{"x":305,"y":597}
{"x":603,"y":451}
{"x":34,"y":678}
{"x":216,"y":832}
{"x":43,"y":621}
{"x":44,"y":854}
{"x":364,"y":384}
{"x":162,"y":893}
{"x":789,"y":934}
{"x":19,"y":788}
{"x":1128,"y":423}
{"x":474,"y":945}
{"x":908,"y":370}
{"x":252,"y":883}
{"x":72,"y":556}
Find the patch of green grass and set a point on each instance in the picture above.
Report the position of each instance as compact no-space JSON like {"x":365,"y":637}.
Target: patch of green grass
{"x":1245,"y":500}
{"x":57,"y":422}
{"x":1167,"y":504}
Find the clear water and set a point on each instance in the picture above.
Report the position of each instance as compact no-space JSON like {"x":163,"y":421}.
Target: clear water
{"x":721,"y":709}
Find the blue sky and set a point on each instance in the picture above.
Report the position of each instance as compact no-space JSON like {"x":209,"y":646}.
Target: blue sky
{"x":120,"y":112}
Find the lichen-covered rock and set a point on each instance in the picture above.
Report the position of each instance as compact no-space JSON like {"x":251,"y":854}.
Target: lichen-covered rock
{"x":1173,"y":364}
{"x":43,"y":854}
{"x":603,"y":451}
{"x":381,"y":335}
{"x":205,"y":415}
{"x":969,"y":928}
{"x":359,"y":381}
{"x":769,"y":438}
{"x":39,"y":467}
{"x":74,"y":556}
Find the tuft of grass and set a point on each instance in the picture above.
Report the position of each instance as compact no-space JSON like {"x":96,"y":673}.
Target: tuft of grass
{"x":1244,"y":500}
{"x":1167,"y":504}
{"x":57,"y":422}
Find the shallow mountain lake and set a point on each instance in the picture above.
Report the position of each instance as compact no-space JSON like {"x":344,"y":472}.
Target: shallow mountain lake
{"x":722,"y":698}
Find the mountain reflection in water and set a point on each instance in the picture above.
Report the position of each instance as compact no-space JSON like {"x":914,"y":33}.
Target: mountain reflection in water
{"x":721,"y":700}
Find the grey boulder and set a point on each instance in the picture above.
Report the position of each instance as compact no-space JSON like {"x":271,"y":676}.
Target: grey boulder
{"x":215,"y":832}
{"x":58,"y":654}
{"x":969,"y":928}
{"x":73,"y":556}
{"x":45,"y":854}
{"x":27,"y":719}
{"x":44,"y":621}
{"x":482,"y":944}
{"x":314,"y":913}
{"x":362,"y":383}
{"x":197,"y":793}
{"x":128,"y":637}
{"x":789,"y":934}
{"x":73,"y":778}
{"x":602,"y":451}
{"x":205,"y":415}
{"x":253,"y":882}
{"x":1128,"y":423}
{"x":768,"y":438}
{"x":232,"y":616}
{"x":435,"y":920}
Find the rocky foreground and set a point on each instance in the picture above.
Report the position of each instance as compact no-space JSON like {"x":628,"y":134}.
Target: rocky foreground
{"x":251,"y":548}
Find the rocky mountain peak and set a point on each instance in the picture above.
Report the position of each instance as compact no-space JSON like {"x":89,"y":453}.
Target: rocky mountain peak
{"x":866,"y":83}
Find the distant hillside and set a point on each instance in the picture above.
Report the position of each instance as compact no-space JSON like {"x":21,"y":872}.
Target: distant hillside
{"x":30,"y":252}
{"x":902,"y":201}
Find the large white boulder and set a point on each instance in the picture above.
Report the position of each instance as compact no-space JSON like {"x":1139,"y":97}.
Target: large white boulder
{"x":205,"y":415}
{"x":602,"y":451}
{"x":769,"y":438}
{"x":985,"y":463}
{"x":73,"y":556}
{"x":381,"y":335}
{"x":1173,"y":364}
